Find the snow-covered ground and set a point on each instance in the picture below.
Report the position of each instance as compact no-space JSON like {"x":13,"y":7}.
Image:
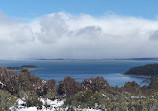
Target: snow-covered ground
{"x":55,"y":105}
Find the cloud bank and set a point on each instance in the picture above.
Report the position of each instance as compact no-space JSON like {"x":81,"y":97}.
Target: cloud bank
{"x":62,"y":35}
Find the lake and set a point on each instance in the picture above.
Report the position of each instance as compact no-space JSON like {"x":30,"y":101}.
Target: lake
{"x":110,"y":70}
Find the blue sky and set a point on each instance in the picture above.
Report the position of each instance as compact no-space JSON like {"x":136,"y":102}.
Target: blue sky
{"x":35,"y":8}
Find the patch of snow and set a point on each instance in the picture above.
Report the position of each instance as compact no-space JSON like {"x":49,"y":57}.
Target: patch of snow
{"x":28,"y":109}
{"x":55,"y":105}
{"x":137,"y":97}
{"x":88,"y":109}
{"x":142,"y":97}
{"x":2,"y":84}
{"x":20,"y":101}
{"x":43,"y":81}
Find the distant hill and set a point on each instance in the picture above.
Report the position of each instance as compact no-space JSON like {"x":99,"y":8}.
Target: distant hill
{"x":139,"y":59}
{"x":146,"y":70}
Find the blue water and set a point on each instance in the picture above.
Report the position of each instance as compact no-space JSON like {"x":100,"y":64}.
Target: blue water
{"x":110,"y":70}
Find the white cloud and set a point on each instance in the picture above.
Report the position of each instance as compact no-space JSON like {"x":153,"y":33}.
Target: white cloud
{"x":62,"y":35}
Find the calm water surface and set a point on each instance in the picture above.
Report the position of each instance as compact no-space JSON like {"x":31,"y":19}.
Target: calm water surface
{"x":110,"y":70}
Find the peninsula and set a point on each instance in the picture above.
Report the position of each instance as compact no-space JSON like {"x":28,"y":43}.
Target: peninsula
{"x":147,"y":71}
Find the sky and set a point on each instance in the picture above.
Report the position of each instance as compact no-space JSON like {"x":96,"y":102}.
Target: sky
{"x":78,"y":29}
{"x":36,"y":8}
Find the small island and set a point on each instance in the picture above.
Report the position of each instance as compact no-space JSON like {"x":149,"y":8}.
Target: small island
{"x":28,"y":67}
{"x":147,"y":71}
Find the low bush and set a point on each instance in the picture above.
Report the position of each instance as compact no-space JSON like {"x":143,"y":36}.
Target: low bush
{"x":50,"y":95}
{"x":32,"y":99}
{"x":6,"y":100}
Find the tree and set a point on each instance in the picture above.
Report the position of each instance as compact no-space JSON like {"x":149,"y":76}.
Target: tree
{"x":95,"y":84}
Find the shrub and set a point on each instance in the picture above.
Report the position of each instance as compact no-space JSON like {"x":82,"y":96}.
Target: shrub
{"x":60,"y":88}
{"x":95,"y":84}
{"x":131,"y":87}
{"x":143,"y":105}
{"x":121,"y":102}
{"x":50,"y":95}
{"x":32,"y":100}
{"x":51,"y":84}
{"x":154,"y":83}
{"x":69,"y":86}
{"x":6,"y":100}
{"x":81,"y":99}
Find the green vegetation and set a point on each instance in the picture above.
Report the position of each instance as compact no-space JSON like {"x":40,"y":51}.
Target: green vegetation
{"x":154,"y":83}
{"x":6,"y":100}
{"x":32,"y":99}
{"x":121,"y":102}
{"x":50,"y":95}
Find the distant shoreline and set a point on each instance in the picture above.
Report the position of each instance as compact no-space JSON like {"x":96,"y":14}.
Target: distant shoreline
{"x":83,"y":60}
{"x":123,"y":59}
{"x":134,"y":75}
{"x":74,"y":60}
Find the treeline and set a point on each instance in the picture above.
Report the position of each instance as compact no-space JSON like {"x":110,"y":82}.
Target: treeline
{"x":92,"y":92}
{"x":146,"y":70}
